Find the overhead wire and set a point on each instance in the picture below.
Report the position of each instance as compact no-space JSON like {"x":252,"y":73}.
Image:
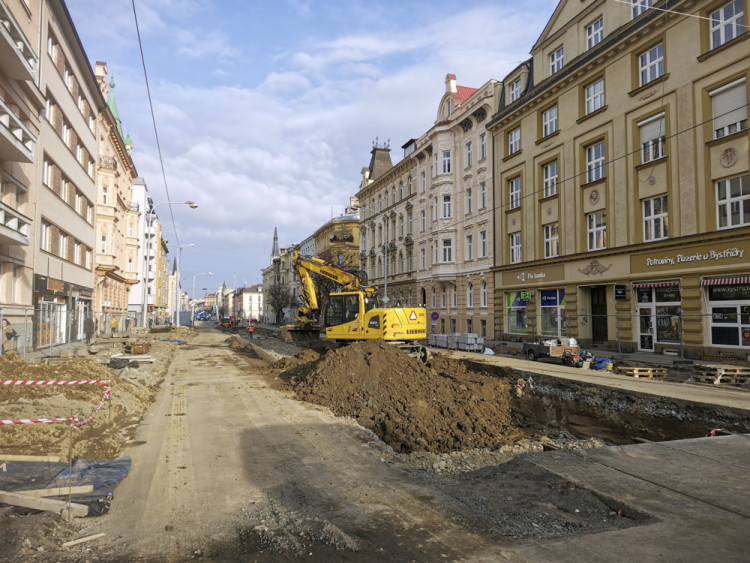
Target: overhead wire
{"x":153,"y":121}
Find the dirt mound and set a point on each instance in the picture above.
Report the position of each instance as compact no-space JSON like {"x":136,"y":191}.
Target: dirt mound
{"x":437,"y":407}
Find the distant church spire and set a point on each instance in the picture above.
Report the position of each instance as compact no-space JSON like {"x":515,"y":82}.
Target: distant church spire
{"x":275,"y":250}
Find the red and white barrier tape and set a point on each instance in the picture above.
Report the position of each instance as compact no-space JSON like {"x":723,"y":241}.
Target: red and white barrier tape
{"x":36,"y":420}
{"x":46,"y":382}
{"x":76,"y":423}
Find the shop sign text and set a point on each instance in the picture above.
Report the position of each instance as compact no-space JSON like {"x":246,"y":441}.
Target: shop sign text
{"x":711,"y":255}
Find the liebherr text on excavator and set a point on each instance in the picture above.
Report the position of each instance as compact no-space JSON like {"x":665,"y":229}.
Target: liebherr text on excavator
{"x":353,"y":313}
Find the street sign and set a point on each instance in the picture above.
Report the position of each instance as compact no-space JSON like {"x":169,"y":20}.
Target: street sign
{"x":435,"y":315}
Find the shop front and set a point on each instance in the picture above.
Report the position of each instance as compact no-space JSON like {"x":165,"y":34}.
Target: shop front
{"x":728,"y":302}
{"x":658,"y":309}
{"x":60,"y":310}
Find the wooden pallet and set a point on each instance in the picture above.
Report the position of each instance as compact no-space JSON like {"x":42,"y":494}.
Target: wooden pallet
{"x":733,"y":375}
{"x":651,"y":373}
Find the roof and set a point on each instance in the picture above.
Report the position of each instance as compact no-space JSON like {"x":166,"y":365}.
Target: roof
{"x":463,"y":93}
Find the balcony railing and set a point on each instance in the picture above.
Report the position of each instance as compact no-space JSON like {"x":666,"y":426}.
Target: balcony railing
{"x":16,"y":141}
{"x":19,"y":61}
{"x":107,"y":162}
{"x":15,"y":228}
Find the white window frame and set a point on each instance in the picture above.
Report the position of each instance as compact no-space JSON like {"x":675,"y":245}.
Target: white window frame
{"x":62,"y":245}
{"x":733,"y":202}
{"x":45,"y":236}
{"x":454,"y":296}
{"x":596,"y":230}
{"x":443,"y":297}
{"x":549,"y":178}
{"x":423,"y":178}
{"x":483,"y":145}
{"x":556,"y":60}
{"x":549,"y":121}
{"x":514,"y":141}
{"x":594,"y":96}
{"x":469,"y":247}
{"x":655,"y":218}
{"x":483,"y":295}
{"x":515,"y":248}
{"x":483,"y":244}
{"x":651,"y":64}
{"x":734,"y":95}
{"x":447,"y":250}
{"x":447,"y":206}
{"x":551,"y":240}
{"x":423,"y":259}
{"x":469,"y":201}
{"x":483,"y":195}
{"x":726,"y":23}
{"x":103,"y":244}
{"x":596,"y":156}
{"x":639,"y":7}
{"x":446,"y":162}
{"x":514,"y":90}
{"x":470,"y":295}
{"x":469,"y":155}
{"x":653,"y":138}
{"x":514,"y":192}
{"x":423,"y":219}
{"x":594,"y":33}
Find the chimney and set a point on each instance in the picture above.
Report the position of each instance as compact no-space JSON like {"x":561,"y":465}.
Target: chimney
{"x":450,"y":84}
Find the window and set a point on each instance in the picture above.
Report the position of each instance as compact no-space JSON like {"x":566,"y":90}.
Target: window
{"x":77,"y":253}
{"x":469,"y":201}
{"x":423,"y":261}
{"x":653,"y":139}
{"x":514,"y":141}
{"x":454,"y":299}
{"x":79,"y":204}
{"x":105,"y":195}
{"x":410,"y":260}
{"x":726,"y":23}
{"x":447,"y":250}
{"x":446,"y":162}
{"x":66,"y":133}
{"x":401,"y":225}
{"x":469,"y":326}
{"x":468,"y":154}
{"x":103,"y":247}
{"x":514,"y":90}
{"x":640,"y":6}
{"x":49,"y":110}
{"x":483,"y":295}
{"x":483,"y":145}
{"x":423,"y":181}
{"x":514,"y":192}
{"x":597,"y":229}
{"x":651,"y":64}
{"x":729,"y":106}
{"x":515,"y":248}
{"x":88,"y":258}
{"x":45,"y":236}
{"x":551,"y":241}
{"x":411,"y":185}
{"x":594,"y":33}
{"x":386,"y":199}
{"x":655,"y":219}
{"x":447,"y":207}
{"x":423,"y":219}
{"x":549,"y":174}
{"x":483,"y":244}
{"x":594,"y":96}
{"x":443,"y":298}
{"x":556,"y":61}
{"x":482,"y":195}
{"x":434,"y":303}
{"x":470,"y":295}
{"x":63,"y":189}
{"x":62,"y":245}
{"x":434,"y":209}
{"x":469,"y":247}
{"x":410,"y":222}
{"x":733,"y":202}
{"x":595,"y":162}
{"x":549,"y":121}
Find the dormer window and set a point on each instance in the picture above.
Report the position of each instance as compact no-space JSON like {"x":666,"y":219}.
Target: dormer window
{"x":556,"y":60}
{"x":515,"y":90}
{"x":447,"y":108}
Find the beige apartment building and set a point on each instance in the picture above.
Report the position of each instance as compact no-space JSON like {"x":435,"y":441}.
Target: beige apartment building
{"x":622,"y":179}
{"x":426,"y":222}
{"x":21,"y":105}
{"x":63,"y":231}
{"x":117,"y":219}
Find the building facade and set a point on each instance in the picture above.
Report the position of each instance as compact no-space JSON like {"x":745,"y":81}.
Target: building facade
{"x":426,"y":222}
{"x":622,"y":179}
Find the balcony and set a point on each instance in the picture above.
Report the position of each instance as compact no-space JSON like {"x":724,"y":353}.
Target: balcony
{"x":108,"y":162}
{"x":15,"y":228}
{"x":19,"y":61}
{"x":16,"y":141}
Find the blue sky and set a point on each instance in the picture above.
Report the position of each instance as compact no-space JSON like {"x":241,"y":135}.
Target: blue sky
{"x":266,"y":110}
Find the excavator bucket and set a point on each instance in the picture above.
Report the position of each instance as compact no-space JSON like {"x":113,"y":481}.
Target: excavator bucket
{"x":300,"y":334}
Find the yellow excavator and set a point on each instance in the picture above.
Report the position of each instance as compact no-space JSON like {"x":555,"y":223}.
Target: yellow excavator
{"x":354,"y":312}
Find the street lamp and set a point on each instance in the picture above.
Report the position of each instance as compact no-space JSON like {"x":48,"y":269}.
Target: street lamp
{"x":178,"y":293}
{"x":150,"y":215}
{"x":193,"y":294}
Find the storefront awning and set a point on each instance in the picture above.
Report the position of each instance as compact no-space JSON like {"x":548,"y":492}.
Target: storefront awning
{"x":638,"y":285}
{"x":727,"y":281}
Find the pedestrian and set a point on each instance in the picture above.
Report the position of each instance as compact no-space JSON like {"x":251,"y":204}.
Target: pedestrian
{"x":9,"y":334}
{"x":250,"y":330}
{"x":113,"y":325}
{"x":88,"y":328}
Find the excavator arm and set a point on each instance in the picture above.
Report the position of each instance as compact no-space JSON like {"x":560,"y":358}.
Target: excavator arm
{"x":307,"y":265}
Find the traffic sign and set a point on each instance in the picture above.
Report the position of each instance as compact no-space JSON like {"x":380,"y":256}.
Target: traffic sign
{"x":435,"y":315}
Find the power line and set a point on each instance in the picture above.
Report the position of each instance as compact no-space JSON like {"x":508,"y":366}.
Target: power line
{"x":153,"y":120}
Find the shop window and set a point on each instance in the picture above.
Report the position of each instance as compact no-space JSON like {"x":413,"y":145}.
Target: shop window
{"x":552,"y":307}
{"x":729,"y":305}
{"x":515,"y":311}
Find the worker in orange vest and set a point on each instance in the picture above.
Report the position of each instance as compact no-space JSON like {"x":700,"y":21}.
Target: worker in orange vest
{"x":250,"y":329}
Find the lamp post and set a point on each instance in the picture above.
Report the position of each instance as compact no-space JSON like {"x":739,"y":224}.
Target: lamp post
{"x":150,"y":215}
{"x":193,"y":294}
{"x":178,"y":293}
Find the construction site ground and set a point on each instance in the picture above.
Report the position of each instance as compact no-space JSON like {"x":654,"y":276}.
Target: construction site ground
{"x":255,"y":450}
